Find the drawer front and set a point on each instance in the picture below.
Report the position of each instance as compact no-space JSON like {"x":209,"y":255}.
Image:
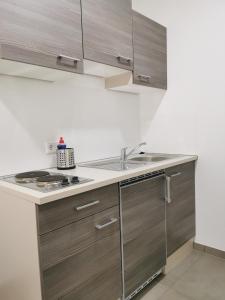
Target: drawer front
{"x":92,"y":274}
{"x":59,"y":244}
{"x":62,"y":212}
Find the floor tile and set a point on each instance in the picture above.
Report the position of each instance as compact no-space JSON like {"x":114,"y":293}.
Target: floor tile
{"x":173,"y":295}
{"x":175,"y":274}
{"x":155,"y":293}
{"x":199,"y":276}
{"x":203,"y":280}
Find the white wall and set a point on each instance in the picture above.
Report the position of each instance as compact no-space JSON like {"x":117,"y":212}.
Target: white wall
{"x":191,"y":116}
{"x":95,"y":121}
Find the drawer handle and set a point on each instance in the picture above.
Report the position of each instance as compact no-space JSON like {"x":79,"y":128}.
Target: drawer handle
{"x":78,"y":208}
{"x":67,"y":61}
{"x":124,"y":60}
{"x":168,"y":186}
{"x":112,"y":221}
{"x":144,"y":78}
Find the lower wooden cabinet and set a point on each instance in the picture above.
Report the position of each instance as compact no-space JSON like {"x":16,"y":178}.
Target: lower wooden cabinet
{"x":80,"y":257}
{"x":92,"y":274}
{"x":180,"y":208}
{"x":82,"y":260}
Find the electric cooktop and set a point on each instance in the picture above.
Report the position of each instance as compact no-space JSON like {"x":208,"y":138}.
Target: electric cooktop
{"x":44,"y":181}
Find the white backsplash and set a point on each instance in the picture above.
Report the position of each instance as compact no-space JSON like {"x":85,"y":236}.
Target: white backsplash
{"x":95,"y":121}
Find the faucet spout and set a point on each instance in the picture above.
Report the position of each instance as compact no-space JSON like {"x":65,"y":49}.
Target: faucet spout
{"x":124,"y":155}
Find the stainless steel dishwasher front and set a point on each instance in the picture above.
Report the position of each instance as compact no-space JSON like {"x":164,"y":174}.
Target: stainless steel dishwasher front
{"x":143,"y":231}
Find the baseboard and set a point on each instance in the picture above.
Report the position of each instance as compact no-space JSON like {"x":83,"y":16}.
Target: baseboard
{"x":209,"y":250}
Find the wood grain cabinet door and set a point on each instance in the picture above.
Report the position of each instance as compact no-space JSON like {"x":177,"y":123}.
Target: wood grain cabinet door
{"x":44,"y":32}
{"x":107,"y":32}
{"x":144,"y":236}
{"x":150,"y":52}
{"x":180,"y":208}
{"x":91,"y":274}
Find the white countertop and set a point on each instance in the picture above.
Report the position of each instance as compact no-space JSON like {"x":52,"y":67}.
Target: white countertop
{"x":100,"y":178}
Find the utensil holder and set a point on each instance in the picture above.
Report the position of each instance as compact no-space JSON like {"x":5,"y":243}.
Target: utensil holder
{"x":65,"y":159}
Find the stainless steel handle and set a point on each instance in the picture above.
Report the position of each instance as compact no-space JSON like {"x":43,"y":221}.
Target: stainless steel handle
{"x":78,"y":208}
{"x":124,"y":60}
{"x":112,"y":221}
{"x":175,"y":174}
{"x":168,"y":190}
{"x":144,"y":78}
{"x":67,"y":61}
{"x":168,"y":186}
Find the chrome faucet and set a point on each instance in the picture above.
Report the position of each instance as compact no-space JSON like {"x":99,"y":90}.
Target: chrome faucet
{"x":124,"y":155}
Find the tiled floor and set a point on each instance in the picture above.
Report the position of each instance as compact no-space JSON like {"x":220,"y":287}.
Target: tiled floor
{"x":199,"y":276}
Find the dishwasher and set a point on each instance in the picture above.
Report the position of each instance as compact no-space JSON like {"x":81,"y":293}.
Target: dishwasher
{"x":143,"y":234}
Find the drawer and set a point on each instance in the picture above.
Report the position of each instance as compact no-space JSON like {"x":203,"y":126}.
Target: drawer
{"x":59,"y":244}
{"x":92,"y":274}
{"x":62,"y":212}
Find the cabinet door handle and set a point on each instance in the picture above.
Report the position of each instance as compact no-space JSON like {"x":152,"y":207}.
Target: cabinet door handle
{"x":67,"y":61}
{"x":168,"y":186}
{"x":124,"y":60}
{"x":112,"y":221}
{"x":144,"y":78}
{"x":175,"y":174}
{"x":78,"y":208}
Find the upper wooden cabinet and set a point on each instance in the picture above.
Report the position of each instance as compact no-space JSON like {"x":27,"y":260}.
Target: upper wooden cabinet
{"x":60,"y":34}
{"x":150,"y":52}
{"x":107,"y":32}
{"x":45,"y":33}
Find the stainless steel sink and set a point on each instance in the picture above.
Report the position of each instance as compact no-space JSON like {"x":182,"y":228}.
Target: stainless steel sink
{"x":134,"y":162}
{"x":148,"y":158}
{"x":113,"y":165}
{"x":152,"y":157}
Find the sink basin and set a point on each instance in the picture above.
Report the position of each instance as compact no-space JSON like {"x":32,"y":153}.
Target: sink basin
{"x":148,"y":159}
{"x":113,"y":165}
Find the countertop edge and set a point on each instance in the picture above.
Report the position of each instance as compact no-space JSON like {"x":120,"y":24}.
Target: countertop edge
{"x":41,"y":198}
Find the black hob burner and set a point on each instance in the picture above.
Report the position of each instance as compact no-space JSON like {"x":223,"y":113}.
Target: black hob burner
{"x":44,"y":181}
{"x":54,"y":180}
{"x":30,"y":176}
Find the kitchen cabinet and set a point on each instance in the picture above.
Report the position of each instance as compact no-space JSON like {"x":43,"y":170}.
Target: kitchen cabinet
{"x":45,"y":33}
{"x":150,"y":52}
{"x":86,"y":36}
{"x":107,"y":32}
{"x":80,"y":256}
{"x":180,"y":207}
{"x":143,"y":230}
{"x":106,"y":243}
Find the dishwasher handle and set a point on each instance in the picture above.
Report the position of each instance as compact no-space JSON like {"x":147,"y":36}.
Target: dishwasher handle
{"x":168,"y":186}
